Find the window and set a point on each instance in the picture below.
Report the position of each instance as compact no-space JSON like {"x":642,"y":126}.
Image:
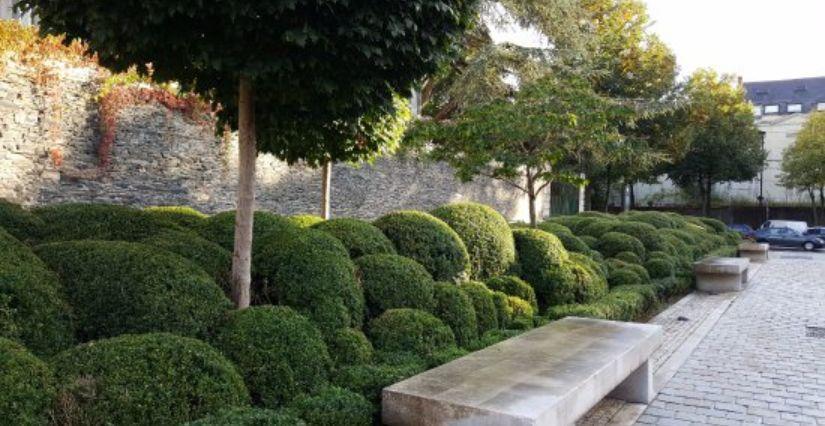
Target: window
{"x":820,"y":106}
{"x":771,"y":109}
{"x":794,"y":108}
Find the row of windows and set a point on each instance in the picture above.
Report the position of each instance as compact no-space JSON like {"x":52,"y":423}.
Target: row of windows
{"x":791,"y":108}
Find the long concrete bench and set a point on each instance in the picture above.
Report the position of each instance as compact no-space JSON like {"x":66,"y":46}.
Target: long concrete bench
{"x":755,"y":252}
{"x":721,"y":274}
{"x":548,"y":376}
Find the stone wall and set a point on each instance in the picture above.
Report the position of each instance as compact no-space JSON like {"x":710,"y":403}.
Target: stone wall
{"x":48,"y":154}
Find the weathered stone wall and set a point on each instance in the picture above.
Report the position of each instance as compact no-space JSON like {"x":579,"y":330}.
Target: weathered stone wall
{"x":48,"y":154}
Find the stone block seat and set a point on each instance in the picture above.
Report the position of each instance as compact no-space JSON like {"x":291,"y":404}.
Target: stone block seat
{"x":551,"y":375}
{"x":721,"y":274}
{"x":756,"y":252}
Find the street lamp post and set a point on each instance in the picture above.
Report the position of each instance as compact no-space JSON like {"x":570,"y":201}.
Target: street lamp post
{"x":761,"y":197}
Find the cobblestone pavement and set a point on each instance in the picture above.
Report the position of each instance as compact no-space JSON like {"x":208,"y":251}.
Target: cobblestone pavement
{"x":760,"y":363}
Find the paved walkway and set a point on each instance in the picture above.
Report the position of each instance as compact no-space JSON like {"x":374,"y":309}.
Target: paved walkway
{"x":760,"y":363}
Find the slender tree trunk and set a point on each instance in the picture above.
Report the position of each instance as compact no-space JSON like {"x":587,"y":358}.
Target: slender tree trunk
{"x":582,"y":193}
{"x":821,"y":203}
{"x":607,"y":185}
{"x":244,"y":216}
{"x":632,"y":196}
{"x":706,"y":207}
{"x":531,"y":196}
{"x":326,"y":183}
{"x":814,"y":214}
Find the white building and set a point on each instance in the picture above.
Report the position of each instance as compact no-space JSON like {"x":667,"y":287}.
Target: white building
{"x":7,"y":12}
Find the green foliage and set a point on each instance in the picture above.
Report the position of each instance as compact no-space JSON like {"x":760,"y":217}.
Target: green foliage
{"x":20,"y":223}
{"x":427,"y":240}
{"x":359,"y":237}
{"x":621,"y":277}
{"x":714,"y":225}
{"x":455,"y":308}
{"x":571,"y":242}
{"x":220,"y":228}
{"x":305,"y":220}
{"x":647,"y":234}
{"x":486,"y":235}
{"x":624,"y":303}
{"x":248,"y":417}
{"x":659,"y":220}
{"x":514,"y":286}
{"x":504,"y":312}
{"x":212,"y":258}
{"x":591,"y":242}
{"x":28,"y":386}
{"x":598,"y":227}
{"x":117,"y":287}
{"x":520,"y":313}
{"x":539,"y":253}
{"x":802,"y":161}
{"x":279,"y":352}
{"x":492,"y":337}
{"x":410,"y":330}
{"x":69,"y":222}
{"x":613,"y":243}
{"x":369,"y":380}
{"x":483,"y":304}
{"x":349,"y":346}
{"x":659,"y":268}
{"x":628,"y":257}
{"x":614,"y":265}
{"x":572,"y":282}
{"x":392,"y":281}
{"x":158,"y":378}
{"x":184,"y":216}
{"x":332,"y":406}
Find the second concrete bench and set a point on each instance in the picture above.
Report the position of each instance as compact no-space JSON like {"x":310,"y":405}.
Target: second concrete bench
{"x":756,"y":252}
{"x":721,"y":274}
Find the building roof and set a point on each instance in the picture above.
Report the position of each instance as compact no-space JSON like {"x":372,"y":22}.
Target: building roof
{"x":808,"y":92}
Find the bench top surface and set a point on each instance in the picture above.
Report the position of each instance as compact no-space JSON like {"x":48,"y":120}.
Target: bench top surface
{"x":722,"y":265}
{"x":754,"y":246}
{"x":529,"y":374}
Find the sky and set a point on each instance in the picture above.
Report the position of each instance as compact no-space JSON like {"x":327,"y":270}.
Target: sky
{"x":756,"y":39}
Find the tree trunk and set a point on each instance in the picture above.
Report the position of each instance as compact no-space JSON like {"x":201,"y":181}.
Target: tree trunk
{"x":632,"y":197}
{"x":607,"y":185}
{"x":708,"y":183}
{"x":821,"y":204}
{"x":582,"y":193}
{"x":531,"y":197}
{"x":625,"y":197}
{"x":244,"y":216}
{"x":326,"y":181}
{"x":814,"y":214}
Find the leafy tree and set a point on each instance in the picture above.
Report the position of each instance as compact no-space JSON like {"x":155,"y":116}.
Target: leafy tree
{"x":301,"y":79}
{"x":803,"y":163}
{"x":723,"y":143}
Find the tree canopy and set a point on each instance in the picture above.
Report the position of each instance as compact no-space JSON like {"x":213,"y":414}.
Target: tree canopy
{"x":803,"y":163}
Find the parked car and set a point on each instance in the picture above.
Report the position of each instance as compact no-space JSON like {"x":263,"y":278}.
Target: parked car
{"x":787,"y":237}
{"x":744,"y":230}
{"x":818,"y":231}
{"x":796,"y":225}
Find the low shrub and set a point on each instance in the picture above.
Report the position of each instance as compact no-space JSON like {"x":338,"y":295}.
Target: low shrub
{"x":514,"y":286}
{"x":613,"y":243}
{"x":725,"y":251}
{"x":19,"y":222}
{"x":427,"y":240}
{"x":392,"y":281}
{"x":455,"y":308}
{"x":628,"y":257}
{"x":573,"y":282}
{"x":369,"y":379}
{"x":591,"y":242}
{"x":598,"y":227}
{"x":646,"y":233}
{"x":638,"y":270}
{"x":332,"y":406}
{"x":349,"y":346}
{"x":625,"y":303}
{"x":620,"y":277}
{"x":249,"y":417}
{"x":183,"y":216}
{"x":521,"y":313}
{"x":359,"y":237}
{"x":539,"y":253}
{"x":306,"y":220}
{"x":659,"y":268}
{"x":220,"y":228}
{"x":504,"y":312}
{"x":212,"y":258}
{"x":486,"y":235}
{"x":659,"y":220}
{"x":410,"y":330}
{"x":279,"y":352}
{"x":592,"y":263}
{"x":571,"y":222}
{"x":570,"y":242}
{"x":492,"y":337}
{"x":483,"y":305}
{"x":674,"y":285}
{"x":158,"y":378}
{"x":70,"y":222}
{"x":27,"y":386}
{"x":118,"y":287}
{"x":594,"y":310}
{"x":715,"y":225}
{"x":444,"y":356}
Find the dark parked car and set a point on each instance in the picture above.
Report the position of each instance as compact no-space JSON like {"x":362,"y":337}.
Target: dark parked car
{"x":744,"y":230}
{"x":817,"y":231}
{"x":787,"y":237}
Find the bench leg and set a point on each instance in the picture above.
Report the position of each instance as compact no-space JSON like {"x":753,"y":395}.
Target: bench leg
{"x":637,"y":387}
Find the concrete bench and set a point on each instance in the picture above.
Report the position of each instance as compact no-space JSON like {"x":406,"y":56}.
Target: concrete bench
{"x":756,"y":252}
{"x":548,"y":376}
{"x":721,"y":274}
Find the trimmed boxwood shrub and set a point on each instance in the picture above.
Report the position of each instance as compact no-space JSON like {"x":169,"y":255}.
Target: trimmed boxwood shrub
{"x":117,"y":287}
{"x":591,"y":242}
{"x":27,"y":386}
{"x":613,"y":243}
{"x":349,"y":346}
{"x":359,"y":237}
{"x":714,"y":225}
{"x":639,"y":270}
{"x":427,"y":240}
{"x":247,"y":416}
{"x":659,"y":268}
{"x":332,"y":406}
{"x":658,"y":219}
{"x":455,"y":308}
{"x":305,"y":220}
{"x":514,"y":286}
{"x":220,"y":228}
{"x":492,"y":337}
{"x":19,"y":222}
{"x":158,"y":378}
{"x":594,"y":310}
{"x":504,"y":312}
{"x":486,"y":235}
{"x":69,"y":222}
{"x":368,"y":380}
{"x":392,"y":281}
{"x":483,"y":304}
{"x":573,"y":282}
{"x":186,"y":217}
{"x":597,"y":267}
{"x":571,"y":242}
{"x":598,"y":227}
{"x":279,"y":352}
{"x":646,"y":233}
{"x":620,"y":277}
{"x":521,"y":313}
{"x":628,"y":257}
{"x":625,"y":303}
{"x":410,"y":330}
{"x":212,"y":258}
{"x":539,"y":253}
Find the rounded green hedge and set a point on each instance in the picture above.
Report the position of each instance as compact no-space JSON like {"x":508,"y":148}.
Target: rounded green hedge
{"x":19,"y":222}
{"x":597,"y":267}
{"x":621,"y":277}
{"x":70,"y":222}
{"x":659,"y":220}
{"x":646,"y":233}
{"x":538,"y":253}
{"x":715,"y":225}
{"x":391,"y":281}
{"x":427,"y":240}
{"x":659,"y":268}
{"x":305,"y":220}
{"x":212,"y":258}
{"x":598,"y":227}
{"x":591,"y":242}
{"x":483,"y":305}
{"x":369,"y":379}
{"x":514,"y":286}
{"x":573,"y":282}
{"x":613,"y":243}
{"x":486,"y":235}
{"x":157,"y":378}
{"x":628,"y":257}
{"x":27,"y":386}
{"x":117,"y":287}
{"x":186,"y":217}
{"x":521,"y":313}
{"x":410,"y":330}
{"x":220,"y":228}
{"x":455,"y":308}
{"x":349,"y":346}
{"x":245,"y":416}
{"x":333,"y":406}
{"x":279,"y":352}
{"x":504,"y":312}
{"x":359,"y":237}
